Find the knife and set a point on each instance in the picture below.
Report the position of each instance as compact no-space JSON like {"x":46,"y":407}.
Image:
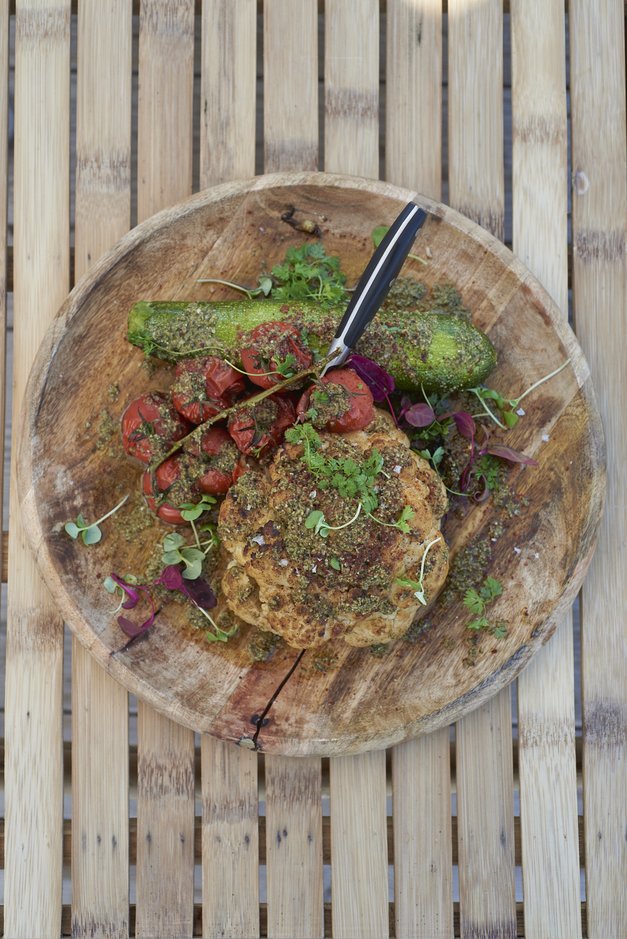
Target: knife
{"x":375,"y":282}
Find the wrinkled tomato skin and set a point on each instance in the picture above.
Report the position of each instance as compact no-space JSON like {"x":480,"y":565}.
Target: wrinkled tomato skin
{"x":165,"y":475}
{"x":284,"y":339}
{"x":203,"y":387}
{"x":216,"y":481}
{"x":167,"y":425}
{"x":248,"y":438}
{"x":361,"y":410}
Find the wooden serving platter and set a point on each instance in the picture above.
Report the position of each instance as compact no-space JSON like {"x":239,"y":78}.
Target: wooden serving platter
{"x":345,"y":700}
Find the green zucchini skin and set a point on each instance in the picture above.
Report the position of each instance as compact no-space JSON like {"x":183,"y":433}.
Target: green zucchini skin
{"x":441,"y":352}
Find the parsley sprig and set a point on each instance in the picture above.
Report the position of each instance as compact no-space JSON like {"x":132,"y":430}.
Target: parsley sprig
{"x":306,"y":273}
{"x":478,"y":600}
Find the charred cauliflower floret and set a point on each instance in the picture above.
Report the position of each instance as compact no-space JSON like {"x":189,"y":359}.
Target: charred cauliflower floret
{"x":339,"y":536}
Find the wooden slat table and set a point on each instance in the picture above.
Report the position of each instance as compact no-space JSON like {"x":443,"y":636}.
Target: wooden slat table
{"x":118,"y":822}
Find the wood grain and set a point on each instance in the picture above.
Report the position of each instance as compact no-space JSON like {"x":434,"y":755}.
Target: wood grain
{"x":228,"y":94}
{"x":34,"y":681}
{"x":165,"y":770}
{"x":548,"y":784}
{"x":359,"y":861}
{"x":290,"y":68}
{"x":417,"y":687}
{"x":165,"y":101}
{"x":99,"y":704}
{"x":421,"y":806}
{"x":4,"y":179}
{"x":294,"y":848}
{"x":230,"y":841}
{"x":485,"y":815}
{"x":600,"y":299}
{"x":229,"y":776}
{"x":475,"y":111}
{"x":413,"y":116}
{"x":421,"y":778}
{"x":351,"y":88}
{"x":293,"y":791}
{"x":484,"y":753}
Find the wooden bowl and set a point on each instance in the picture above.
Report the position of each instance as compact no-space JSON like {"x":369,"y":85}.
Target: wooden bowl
{"x":347,"y":700}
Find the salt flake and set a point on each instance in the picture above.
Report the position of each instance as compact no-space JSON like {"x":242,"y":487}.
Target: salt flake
{"x":545,"y":438}
{"x":258,"y":539}
{"x":284,"y":562}
{"x":520,"y":412}
{"x":517,"y":550}
{"x":396,"y":469}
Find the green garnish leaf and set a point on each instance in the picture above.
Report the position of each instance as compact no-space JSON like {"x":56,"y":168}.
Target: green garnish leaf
{"x":193,"y":510}
{"x":335,"y":564}
{"x":378,"y":234}
{"x":90,"y":532}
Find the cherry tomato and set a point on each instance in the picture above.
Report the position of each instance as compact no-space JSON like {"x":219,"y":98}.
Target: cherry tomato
{"x":257,"y":428}
{"x":269,"y":345}
{"x":150,"y":425}
{"x":166,"y":475}
{"x":203,"y":387}
{"x":220,"y":461}
{"x":345,"y":404}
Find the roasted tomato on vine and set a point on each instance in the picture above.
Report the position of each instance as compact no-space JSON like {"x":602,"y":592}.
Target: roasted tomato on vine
{"x":339,"y":402}
{"x":220,"y":462}
{"x":172,"y":490}
{"x":203,"y":387}
{"x":272,"y":352}
{"x":259,"y":427}
{"x":150,"y":425}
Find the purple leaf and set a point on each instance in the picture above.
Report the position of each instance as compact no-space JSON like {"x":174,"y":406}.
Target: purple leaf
{"x":420,"y":415}
{"x":506,"y":453}
{"x":171,"y":577}
{"x":200,"y":593}
{"x":131,"y":592}
{"x":465,"y":424}
{"x":380,"y":382}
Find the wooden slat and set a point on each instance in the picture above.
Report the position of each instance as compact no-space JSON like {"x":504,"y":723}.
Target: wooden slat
{"x":351,"y":87}
{"x":229,"y":775}
{"x":99,"y":704}
{"x":421,"y":805}
{"x":597,"y":75}
{"x":548,"y":785}
{"x":485,"y":820}
{"x":165,"y":827}
{"x":294,"y":848}
{"x":230,"y":841}
{"x":421,"y":774}
{"x":165,"y":101}
{"x":165,"y":770}
{"x":326,"y":838}
{"x":290,"y":97}
{"x":34,"y":659}
{"x":4,"y":178}
{"x":228,"y":76}
{"x":293,"y":796}
{"x":359,"y":860}
{"x":198,"y":931}
{"x":475,"y":111}
{"x":484,"y":747}
{"x":413,"y":123}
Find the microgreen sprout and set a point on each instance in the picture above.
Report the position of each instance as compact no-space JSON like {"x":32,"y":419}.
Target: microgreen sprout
{"x":177,"y":551}
{"x":477,"y":600}
{"x":379,"y":233}
{"x":285,"y":367}
{"x":509,"y":406}
{"x":318,"y":522}
{"x":264,"y":288}
{"x":418,"y":585}
{"x":402,"y":522}
{"x":90,"y":531}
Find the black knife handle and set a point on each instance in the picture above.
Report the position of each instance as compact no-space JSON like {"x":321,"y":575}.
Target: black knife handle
{"x":380,"y":273}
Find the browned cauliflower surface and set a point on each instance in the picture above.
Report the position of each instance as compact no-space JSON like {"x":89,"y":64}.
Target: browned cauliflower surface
{"x":285,"y":577}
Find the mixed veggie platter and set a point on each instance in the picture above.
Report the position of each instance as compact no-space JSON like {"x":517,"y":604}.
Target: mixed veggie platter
{"x":233,"y":523}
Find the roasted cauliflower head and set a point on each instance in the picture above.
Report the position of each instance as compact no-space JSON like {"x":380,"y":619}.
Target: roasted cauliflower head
{"x":346,"y":572}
